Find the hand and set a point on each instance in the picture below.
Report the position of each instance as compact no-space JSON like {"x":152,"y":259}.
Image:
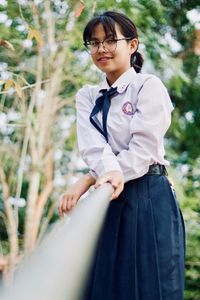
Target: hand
{"x":116,"y":178}
{"x":70,"y":198}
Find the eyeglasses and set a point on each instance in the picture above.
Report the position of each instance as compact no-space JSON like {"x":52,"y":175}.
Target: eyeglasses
{"x":108,"y":44}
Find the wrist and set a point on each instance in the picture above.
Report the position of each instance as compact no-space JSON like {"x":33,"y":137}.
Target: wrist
{"x":89,"y":179}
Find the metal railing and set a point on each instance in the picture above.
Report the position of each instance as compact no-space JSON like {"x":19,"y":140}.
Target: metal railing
{"x":58,"y":268}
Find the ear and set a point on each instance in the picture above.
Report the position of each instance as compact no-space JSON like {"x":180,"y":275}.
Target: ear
{"x":133,"y":45}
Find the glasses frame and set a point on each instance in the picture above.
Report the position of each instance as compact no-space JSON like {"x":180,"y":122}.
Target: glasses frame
{"x":107,"y":38}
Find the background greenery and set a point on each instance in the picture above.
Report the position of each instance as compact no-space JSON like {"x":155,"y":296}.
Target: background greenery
{"x":169,"y":41}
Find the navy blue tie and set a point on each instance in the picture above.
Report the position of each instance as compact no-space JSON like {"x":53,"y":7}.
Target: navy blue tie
{"x":103,"y":103}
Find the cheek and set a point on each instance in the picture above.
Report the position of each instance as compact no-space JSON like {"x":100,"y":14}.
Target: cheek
{"x":128,"y":55}
{"x":123,"y":52}
{"x":94,"y":60}
{"x":123,"y":56}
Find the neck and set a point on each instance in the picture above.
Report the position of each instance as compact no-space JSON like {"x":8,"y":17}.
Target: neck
{"x":113,"y":76}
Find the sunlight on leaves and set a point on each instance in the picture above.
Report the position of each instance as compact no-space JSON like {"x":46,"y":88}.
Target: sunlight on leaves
{"x":35,"y":34}
{"x":7,"y":45}
{"x":79,"y":9}
{"x":11,"y":83}
{"x":18,"y":89}
{"x":8,"y":84}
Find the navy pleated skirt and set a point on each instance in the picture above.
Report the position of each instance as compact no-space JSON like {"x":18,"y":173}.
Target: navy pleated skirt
{"x":141,"y":248}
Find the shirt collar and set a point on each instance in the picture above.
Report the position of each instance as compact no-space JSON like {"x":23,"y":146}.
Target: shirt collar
{"x":121,"y":83}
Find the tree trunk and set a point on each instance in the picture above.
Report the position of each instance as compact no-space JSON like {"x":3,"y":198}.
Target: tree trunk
{"x":30,"y":210}
{"x":43,"y":197}
{"x":11,"y":226}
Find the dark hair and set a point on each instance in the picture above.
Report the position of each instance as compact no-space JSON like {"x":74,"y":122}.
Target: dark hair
{"x":127,"y":27}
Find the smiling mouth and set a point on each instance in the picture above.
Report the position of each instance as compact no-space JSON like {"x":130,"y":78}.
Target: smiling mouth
{"x":104,"y":59}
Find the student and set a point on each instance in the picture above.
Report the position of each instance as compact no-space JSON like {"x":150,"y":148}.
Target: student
{"x":121,"y":124}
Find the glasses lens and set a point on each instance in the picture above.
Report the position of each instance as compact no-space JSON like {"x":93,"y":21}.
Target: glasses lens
{"x":92,"y":46}
{"x":110,"y":44}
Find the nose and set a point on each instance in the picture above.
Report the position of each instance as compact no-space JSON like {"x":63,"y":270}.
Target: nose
{"x":101,"y":47}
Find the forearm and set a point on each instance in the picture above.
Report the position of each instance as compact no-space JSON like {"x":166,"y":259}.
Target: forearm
{"x":85,"y":182}
{"x":90,"y":180}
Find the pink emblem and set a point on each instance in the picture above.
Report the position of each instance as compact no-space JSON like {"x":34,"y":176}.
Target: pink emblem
{"x":128,"y":108}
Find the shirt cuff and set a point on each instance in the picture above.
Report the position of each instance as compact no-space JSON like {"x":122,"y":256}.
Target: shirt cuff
{"x":93,"y":174}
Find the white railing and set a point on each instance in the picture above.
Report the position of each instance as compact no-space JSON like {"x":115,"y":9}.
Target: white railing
{"x":58,"y":268}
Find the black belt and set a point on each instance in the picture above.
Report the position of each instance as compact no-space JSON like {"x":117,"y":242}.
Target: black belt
{"x":157,"y":170}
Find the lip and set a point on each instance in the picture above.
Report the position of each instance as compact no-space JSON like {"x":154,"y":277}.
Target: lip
{"x":104,"y":58}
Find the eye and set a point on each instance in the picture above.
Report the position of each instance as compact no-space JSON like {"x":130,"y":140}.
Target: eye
{"x":94,"y":43}
{"x":110,"y":41}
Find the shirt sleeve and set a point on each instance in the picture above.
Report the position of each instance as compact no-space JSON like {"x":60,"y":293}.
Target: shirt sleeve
{"x":147,"y":128}
{"x":94,"y":150}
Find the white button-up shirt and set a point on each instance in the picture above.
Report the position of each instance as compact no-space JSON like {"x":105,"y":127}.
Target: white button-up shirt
{"x":138,"y":119}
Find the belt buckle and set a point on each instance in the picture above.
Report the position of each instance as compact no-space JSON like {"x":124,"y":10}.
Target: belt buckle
{"x":157,"y":169}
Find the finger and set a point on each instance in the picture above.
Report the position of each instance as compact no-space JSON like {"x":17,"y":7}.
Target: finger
{"x":64,"y":204}
{"x":59,"y":209}
{"x":115,"y":184}
{"x":60,"y":206}
{"x":117,"y":191}
{"x":68,"y":206}
{"x":74,"y":201}
{"x":60,"y":212}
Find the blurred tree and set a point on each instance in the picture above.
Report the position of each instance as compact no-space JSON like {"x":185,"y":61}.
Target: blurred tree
{"x":38,"y":76}
{"x":49,"y":64}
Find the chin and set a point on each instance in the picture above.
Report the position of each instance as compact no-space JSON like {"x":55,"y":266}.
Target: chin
{"x":106,"y":69}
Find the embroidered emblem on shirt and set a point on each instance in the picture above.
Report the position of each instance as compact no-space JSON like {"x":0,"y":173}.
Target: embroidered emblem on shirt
{"x":127,"y":108}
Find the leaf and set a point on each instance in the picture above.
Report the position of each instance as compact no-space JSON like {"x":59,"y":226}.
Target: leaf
{"x":18,"y":89}
{"x":8,"y":84}
{"x":7,"y":45}
{"x":2,"y":82}
{"x":35,"y":34}
{"x":79,"y":9}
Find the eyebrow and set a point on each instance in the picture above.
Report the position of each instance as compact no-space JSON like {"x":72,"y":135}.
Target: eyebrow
{"x":107,"y":36}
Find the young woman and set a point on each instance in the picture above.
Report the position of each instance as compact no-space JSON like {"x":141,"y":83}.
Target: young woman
{"x":121,"y":125}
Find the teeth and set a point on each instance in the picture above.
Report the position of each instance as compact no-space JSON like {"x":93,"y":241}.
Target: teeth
{"x":104,"y":58}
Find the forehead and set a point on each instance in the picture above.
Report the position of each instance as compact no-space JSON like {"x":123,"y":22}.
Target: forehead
{"x":100,"y":33}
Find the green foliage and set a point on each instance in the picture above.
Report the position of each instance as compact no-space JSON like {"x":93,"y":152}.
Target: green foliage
{"x":179,"y":69}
